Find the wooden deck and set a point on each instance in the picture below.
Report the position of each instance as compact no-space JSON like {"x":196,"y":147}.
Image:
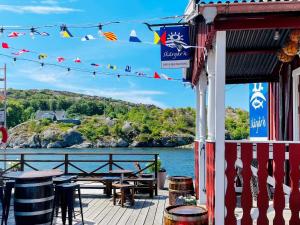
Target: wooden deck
{"x":100,"y":210}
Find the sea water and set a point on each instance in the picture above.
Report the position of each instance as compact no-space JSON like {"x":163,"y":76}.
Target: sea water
{"x":177,"y":162}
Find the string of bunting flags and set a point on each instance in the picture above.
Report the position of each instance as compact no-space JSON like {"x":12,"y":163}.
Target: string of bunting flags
{"x":77,"y":60}
{"x":16,"y":56}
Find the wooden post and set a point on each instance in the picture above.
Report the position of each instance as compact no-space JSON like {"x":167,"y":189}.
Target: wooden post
{"x":66,"y":163}
{"x":202,"y":137}
{"x":155,"y":166}
{"x":210,"y":68}
{"x":22,"y":162}
{"x":110,"y":161}
{"x":296,"y":74}
{"x":220,"y":69}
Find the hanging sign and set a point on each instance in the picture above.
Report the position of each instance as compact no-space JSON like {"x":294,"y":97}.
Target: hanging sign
{"x":259,"y":111}
{"x":175,"y":52}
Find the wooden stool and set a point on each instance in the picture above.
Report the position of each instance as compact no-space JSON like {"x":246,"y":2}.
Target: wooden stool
{"x":126,"y":192}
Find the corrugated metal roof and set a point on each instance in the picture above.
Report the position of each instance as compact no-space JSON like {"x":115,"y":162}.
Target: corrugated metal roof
{"x":248,"y":65}
{"x":255,"y":39}
{"x":242,"y":1}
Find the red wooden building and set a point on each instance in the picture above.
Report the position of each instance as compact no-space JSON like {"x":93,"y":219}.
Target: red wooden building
{"x":247,"y":42}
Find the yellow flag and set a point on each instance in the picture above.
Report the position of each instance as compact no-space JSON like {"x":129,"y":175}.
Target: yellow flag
{"x":156,"y":38}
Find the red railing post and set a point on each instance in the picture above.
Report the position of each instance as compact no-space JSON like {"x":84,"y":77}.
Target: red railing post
{"x":230,"y":172}
{"x":246,"y":198}
{"x":295,"y":176}
{"x":278,"y":168}
{"x":210,"y":181}
{"x":262,"y":198}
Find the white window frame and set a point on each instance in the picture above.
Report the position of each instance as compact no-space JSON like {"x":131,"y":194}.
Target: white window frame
{"x":296,"y":74}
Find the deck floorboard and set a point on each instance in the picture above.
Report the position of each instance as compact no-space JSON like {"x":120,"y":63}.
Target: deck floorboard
{"x":98,"y":209}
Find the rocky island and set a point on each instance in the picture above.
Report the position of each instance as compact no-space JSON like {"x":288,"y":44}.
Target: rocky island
{"x":55,"y":119}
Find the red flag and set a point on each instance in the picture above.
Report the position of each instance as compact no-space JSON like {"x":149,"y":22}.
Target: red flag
{"x":156,"y":76}
{"x":4,"y":45}
{"x":163,"y":38}
{"x":77,"y":60}
{"x":16,"y":34}
{"x":60,"y":59}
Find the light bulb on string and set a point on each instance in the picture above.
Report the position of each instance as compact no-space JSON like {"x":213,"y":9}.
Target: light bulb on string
{"x":118,"y":76}
{"x":32,"y":31}
{"x":100,"y":26}
{"x":42,"y":65}
{"x":94,"y":73}
{"x":62,"y":30}
{"x":68,"y":70}
{"x":1,"y":31}
{"x":14,"y":60}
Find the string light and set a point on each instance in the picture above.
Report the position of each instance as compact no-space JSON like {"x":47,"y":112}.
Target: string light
{"x":81,"y":70}
{"x":62,"y":30}
{"x":100,"y":26}
{"x":42,"y":64}
{"x":32,"y":31}
{"x":1,"y":31}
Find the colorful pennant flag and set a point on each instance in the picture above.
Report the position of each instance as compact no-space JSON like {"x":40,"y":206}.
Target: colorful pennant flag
{"x":42,"y":56}
{"x":20,"y":52}
{"x":112,"y":67}
{"x":60,"y":59}
{"x":128,"y":69}
{"x":133,"y":37}
{"x":15,"y":34}
{"x":88,"y":37}
{"x":166,"y":77}
{"x":156,"y":75}
{"x":110,"y":36}
{"x":140,"y":73}
{"x":77,"y":60}
{"x":4,"y":45}
{"x":65,"y":33}
{"x":160,"y":39}
{"x":42,"y":33}
{"x":94,"y":64}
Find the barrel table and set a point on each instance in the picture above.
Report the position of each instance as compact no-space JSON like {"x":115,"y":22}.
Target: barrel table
{"x":34,"y":195}
{"x":180,"y":186}
{"x":182,"y":214}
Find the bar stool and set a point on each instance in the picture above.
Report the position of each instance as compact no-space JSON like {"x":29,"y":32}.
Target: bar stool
{"x":9,"y":185}
{"x":62,"y":180}
{"x":65,"y":192}
{"x":126,"y":192}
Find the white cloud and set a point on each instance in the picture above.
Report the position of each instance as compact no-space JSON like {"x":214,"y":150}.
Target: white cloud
{"x":37,"y":9}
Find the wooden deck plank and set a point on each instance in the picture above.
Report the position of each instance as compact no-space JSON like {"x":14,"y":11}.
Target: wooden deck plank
{"x":144,"y":211}
{"x":99,"y":210}
{"x":137,"y":209}
{"x":158,"y":219}
{"x":117,"y":215}
{"x":152,"y":210}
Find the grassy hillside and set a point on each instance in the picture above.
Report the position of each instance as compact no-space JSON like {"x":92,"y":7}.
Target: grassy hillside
{"x":109,"y":120}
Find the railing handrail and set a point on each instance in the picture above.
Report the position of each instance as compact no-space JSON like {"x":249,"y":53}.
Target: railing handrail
{"x":268,"y":142}
{"x":74,"y":153}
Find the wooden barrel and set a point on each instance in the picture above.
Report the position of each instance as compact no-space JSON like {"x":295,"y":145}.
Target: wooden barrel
{"x":180,"y":186}
{"x":191,"y":215}
{"x":33,"y":201}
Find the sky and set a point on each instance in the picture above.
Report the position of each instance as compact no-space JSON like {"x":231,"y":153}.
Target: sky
{"x":141,"y":57}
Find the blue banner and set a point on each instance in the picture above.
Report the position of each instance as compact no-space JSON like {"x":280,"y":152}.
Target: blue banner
{"x":259,"y":111}
{"x":176,"y":52}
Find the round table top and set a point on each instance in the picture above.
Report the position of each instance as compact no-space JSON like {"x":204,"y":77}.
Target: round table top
{"x":121,"y":171}
{"x":33,"y":174}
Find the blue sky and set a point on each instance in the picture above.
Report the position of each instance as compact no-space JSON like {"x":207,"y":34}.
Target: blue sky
{"x":141,"y":57}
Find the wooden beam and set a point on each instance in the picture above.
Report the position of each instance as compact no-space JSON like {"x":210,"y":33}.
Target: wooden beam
{"x":257,"y":21}
{"x":238,"y":79}
{"x":253,"y":7}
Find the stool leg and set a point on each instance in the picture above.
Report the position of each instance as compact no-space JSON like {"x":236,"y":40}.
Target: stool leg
{"x":122,"y":197}
{"x":70,"y":203}
{"x":63,"y":209}
{"x":7,"y":203}
{"x":114,"y":196}
{"x":80,"y":205}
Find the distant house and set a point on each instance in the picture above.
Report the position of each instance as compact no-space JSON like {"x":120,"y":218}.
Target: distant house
{"x":59,"y":116}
